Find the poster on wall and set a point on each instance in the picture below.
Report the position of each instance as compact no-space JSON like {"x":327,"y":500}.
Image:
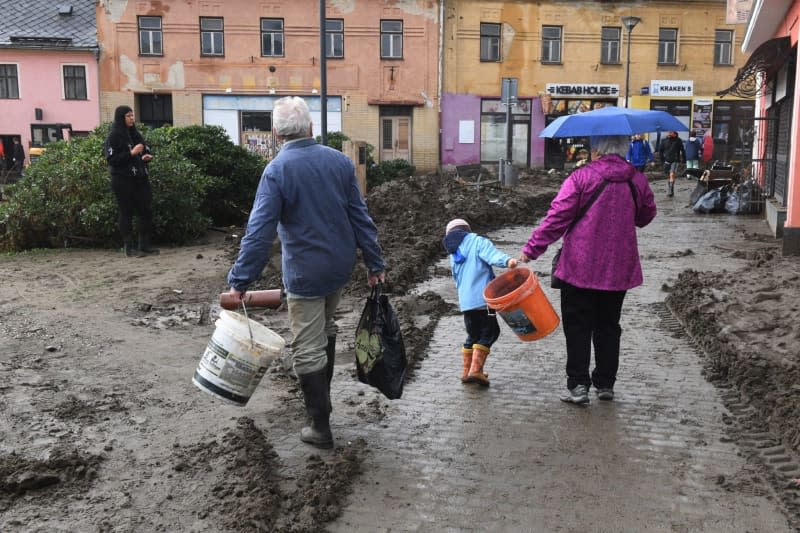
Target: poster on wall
{"x":701,"y":116}
{"x":738,"y":11}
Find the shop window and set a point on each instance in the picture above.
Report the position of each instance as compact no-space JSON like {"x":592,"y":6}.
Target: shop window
{"x":609,"y":45}
{"x":493,"y":131}
{"x":490,"y":42}
{"x":667,"y":46}
{"x":551,"y":44}
{"x":723,"y":47}
{"x":212,"y":36}
{"x":391,"y":39}
{"x":150,"y":36}
{"x":9,"y":81}
{"x":334,"y":38}
{"x":272,"y":37}
{"x":75,"y":82}
{"x":256,"y":132}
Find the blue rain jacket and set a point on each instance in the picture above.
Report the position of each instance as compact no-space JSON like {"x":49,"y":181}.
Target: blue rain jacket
{"x":471,"y":259}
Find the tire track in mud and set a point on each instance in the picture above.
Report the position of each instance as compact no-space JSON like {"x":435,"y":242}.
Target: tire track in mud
{"x":772,"y":464}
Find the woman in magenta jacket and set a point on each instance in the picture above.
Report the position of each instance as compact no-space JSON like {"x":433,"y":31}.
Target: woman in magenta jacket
{"x":599,"y":260}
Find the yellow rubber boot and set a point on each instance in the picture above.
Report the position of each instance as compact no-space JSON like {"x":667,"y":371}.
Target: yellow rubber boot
{"x":466,"y":354}
{"x":476,"y":374}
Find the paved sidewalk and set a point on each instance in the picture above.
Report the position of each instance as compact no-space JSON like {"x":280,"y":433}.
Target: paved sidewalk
{"x":449,"y":457}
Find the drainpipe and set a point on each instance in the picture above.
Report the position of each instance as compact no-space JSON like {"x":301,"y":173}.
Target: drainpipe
{"x":440,"y":77}
{"x":323,"y":75}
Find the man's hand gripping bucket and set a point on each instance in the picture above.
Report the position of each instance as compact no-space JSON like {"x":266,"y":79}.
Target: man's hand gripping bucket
{"x":518,"y":298}
{"x":237,"y":357}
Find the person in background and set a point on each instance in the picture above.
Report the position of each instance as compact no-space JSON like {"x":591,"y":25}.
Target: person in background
{"x":127,"y":157}
{"x":471,"y":261}
{"x":672,"y":155}
{"x":693,"y":147}
{"x":17,"y":156}
{"x":708,"y":148}
{"x":639,"y":153}
{"x":599,"y":260}
{"x":310,"y":198}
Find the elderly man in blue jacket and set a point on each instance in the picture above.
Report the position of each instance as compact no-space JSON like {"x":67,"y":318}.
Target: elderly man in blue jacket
{"x":309,"y":197}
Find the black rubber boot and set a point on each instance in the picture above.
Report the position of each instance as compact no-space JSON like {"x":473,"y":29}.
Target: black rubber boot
{"x":671,"y":191}
{"x":330,"y":351}
{"x":315,"y":393}
{"x":144,"y":245}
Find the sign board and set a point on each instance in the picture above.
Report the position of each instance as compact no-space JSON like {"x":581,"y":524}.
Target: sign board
{"x":508,"y":90}
{"x":582,"y":90}
{"x":671,"y":87}
{"x":738,"y":11}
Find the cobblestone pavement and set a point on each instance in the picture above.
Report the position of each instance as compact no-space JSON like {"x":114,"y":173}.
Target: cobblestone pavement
{"x":662,"y":457}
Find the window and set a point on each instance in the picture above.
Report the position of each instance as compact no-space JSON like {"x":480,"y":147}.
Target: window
{"x":609,"y":45}
{"x":155,"y":109}
{"x":9,"y":81}
{"x":150,"y":43}
{"x":212,"y":36}
{"x":551,"y":44}
{"x":272,"y":37}
{"x":667,"y":46}
{"x":493,"y":130}
{"x":490,"y":42}
{"x":75,"y":82}
{"x":334,"y":38}
{"x":723,"y":47}
{"x":391,"y":39}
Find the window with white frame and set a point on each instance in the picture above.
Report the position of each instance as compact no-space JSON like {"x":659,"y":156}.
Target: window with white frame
{"x":212,"y":36}
{"x":551,"y":44}
{"x":75,"y":82}
{"x":667,"y":46}
{"x":490,"y":42}
{"x":272,"y":37}
{"x":334,"y":38}
{"x":723,"y":47}
{"x":391,"y":39}
{"x":150,"y":36}
{"x":9,"y":82}
{"x":609,"y":45}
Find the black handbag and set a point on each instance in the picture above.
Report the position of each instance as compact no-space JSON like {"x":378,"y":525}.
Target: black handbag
{"x":556,"y":282}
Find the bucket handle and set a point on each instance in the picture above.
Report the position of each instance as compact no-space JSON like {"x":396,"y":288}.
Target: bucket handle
{"x":252,"y":340}
{"x":490,"y":311}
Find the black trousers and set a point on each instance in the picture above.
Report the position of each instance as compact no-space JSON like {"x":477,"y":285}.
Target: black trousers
{"x":134,"y":197}
{"x":482,"y":328}
{"x":591,"y":317}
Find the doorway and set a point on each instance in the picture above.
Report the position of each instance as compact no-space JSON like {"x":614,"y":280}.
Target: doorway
{"x":395,"y":133}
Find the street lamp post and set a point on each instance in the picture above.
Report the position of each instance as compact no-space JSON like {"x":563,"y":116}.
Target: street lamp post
{"x":629,"y":23}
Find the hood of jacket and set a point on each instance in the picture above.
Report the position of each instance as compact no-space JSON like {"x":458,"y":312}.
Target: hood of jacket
{"x":452,"y":241}
{"x":613,"y":168}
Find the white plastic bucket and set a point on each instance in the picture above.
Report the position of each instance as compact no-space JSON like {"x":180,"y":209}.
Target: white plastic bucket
{"x":232,"y":365}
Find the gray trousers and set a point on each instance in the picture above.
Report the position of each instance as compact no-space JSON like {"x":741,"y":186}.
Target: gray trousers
{"x":311,"y":322}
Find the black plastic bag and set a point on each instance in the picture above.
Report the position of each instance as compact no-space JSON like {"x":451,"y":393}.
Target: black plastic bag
{"x":713,"y":201}
{"x":732,"y":204}
{"x":380,"y":353}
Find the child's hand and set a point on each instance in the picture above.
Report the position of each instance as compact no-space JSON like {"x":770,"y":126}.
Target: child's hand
{"x":512,"y":263}
{"x":523,"y":258}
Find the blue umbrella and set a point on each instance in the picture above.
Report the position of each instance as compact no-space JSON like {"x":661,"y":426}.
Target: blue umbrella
{"x":612,"y":121}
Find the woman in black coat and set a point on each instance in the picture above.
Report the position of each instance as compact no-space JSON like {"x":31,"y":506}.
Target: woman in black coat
{"x":127,"y":157}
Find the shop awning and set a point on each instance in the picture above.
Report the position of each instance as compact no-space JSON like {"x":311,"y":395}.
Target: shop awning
{"x":767,"y":58}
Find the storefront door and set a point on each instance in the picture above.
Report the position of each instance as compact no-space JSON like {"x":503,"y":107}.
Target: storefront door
{"x":395,"y":138}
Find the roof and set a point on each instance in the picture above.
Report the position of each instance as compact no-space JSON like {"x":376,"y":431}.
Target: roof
{"x":48,"y":24}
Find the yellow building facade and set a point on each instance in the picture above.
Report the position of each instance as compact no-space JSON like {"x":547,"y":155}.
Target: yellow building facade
{"x":571,"y":56}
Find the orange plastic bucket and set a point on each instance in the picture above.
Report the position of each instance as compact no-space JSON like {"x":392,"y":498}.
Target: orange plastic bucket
{"x":519,"y":299}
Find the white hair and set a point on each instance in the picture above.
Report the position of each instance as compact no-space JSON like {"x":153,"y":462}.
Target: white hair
{"x":291,"y":118}
{"x":611,"y":144}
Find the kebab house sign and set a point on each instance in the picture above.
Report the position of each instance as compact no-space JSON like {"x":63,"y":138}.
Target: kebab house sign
{"x":582,"y":90}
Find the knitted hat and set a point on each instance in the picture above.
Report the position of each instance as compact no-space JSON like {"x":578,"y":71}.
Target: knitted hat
{"x":456,"y":223}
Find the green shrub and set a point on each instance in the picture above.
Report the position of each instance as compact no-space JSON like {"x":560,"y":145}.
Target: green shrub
{"x":234,"y":171}
{"x":335,"y":139}
{"x":388,"y":171}
{"x":65,"y":198}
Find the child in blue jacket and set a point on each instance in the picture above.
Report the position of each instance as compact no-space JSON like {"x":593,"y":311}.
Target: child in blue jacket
{"x":471,"y":259}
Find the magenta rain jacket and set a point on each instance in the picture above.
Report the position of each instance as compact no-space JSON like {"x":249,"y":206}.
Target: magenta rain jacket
{"x":600,"y":251}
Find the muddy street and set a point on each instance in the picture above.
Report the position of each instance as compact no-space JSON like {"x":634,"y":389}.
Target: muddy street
{"x":102,"y":429}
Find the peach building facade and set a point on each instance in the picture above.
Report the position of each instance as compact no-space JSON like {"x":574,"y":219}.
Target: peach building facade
{"x":225,"y":63}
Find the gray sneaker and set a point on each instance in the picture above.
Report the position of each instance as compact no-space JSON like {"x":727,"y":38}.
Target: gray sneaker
{"x":579,"y":394}
{"x":605,"y":394}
